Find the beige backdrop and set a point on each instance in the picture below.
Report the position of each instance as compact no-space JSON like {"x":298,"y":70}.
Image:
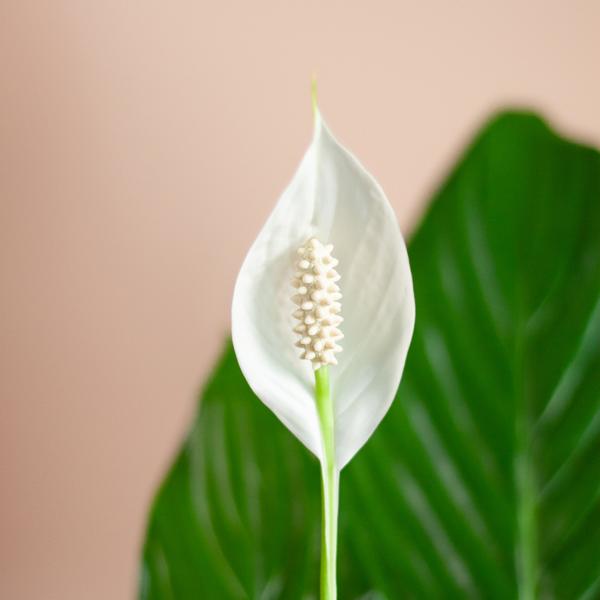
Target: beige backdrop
{"x":142,"y":145}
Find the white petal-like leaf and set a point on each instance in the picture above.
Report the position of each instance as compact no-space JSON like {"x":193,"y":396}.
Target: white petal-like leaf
{"x":333,"y":198}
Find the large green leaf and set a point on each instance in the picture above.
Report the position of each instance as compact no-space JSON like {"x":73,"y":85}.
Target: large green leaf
{"x":483,"y":480}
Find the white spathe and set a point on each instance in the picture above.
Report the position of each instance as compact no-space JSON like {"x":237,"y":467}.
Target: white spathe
{"x":334,"y":199}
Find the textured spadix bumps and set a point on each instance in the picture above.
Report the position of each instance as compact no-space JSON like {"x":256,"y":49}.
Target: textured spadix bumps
{"x":331,"y":198}
{"x":318,"y":299}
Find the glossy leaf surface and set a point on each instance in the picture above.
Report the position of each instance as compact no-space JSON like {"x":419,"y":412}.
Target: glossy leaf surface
{"x":483,"y":479}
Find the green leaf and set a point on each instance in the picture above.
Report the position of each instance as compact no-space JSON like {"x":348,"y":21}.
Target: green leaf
{"x":483,"y":480}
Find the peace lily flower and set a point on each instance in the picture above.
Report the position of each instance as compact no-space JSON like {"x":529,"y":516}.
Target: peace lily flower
{"x":332,"y":232}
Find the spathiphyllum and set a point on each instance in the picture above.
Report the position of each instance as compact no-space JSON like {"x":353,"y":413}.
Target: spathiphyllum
{"x":330,"y":264}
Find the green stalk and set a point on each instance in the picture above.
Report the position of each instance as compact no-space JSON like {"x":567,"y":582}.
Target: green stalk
{"x":330,"y":486}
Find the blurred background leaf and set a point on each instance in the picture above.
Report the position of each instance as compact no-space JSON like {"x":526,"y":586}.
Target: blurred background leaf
{"x":483,"y":480}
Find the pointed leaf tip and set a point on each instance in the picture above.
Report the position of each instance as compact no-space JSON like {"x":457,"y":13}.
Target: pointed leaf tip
{"x":313,"y":96}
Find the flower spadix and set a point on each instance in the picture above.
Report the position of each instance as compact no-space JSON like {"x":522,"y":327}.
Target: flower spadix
{"x":318,"y":303}
{"x":331,"y":231}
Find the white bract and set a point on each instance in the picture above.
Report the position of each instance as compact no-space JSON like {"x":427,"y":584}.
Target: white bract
{"x":332,"y":200}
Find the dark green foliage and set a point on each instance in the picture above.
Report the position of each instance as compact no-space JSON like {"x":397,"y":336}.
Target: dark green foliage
{"x":483,"y":480}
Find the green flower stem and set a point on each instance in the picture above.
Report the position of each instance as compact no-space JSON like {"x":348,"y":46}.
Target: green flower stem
{"x":330,"y":486}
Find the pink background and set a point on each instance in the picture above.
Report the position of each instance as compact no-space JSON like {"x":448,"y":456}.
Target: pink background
{"x":142,"y":145}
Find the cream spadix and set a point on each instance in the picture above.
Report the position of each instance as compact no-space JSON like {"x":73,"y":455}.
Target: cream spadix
{"x":333,"y":200}
{"x":317,"y":296}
